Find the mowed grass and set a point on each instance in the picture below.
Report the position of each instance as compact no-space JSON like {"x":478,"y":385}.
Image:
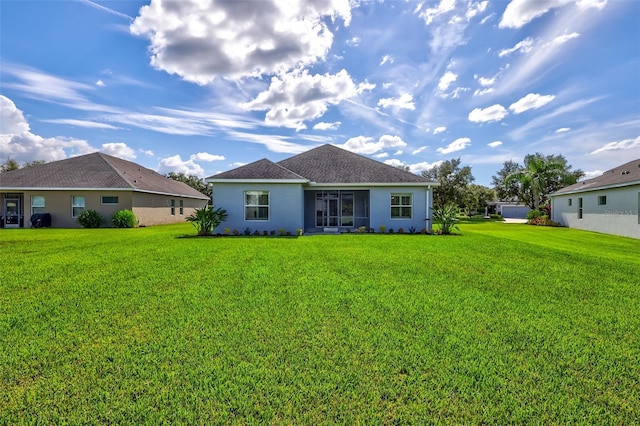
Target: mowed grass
{"x":504,"y":324}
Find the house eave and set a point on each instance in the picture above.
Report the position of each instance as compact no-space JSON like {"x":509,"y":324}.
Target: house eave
{"x":301,"y":181}
{"x":371,"y":184}
{"x":595,"y":188}
{"x":41,"y":188}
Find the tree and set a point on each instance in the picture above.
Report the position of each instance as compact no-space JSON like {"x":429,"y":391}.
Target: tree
{"x":540,"y":176}
{"x":33,"y":163}
{"x":9,"y":165}
{"x":476,"y":198}
{"x":193,"y":181}
{"x":453,"y":179}
{"x":507,"y":191}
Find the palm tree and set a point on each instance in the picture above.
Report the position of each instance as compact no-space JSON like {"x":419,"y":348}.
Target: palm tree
{"x":535,"y":176}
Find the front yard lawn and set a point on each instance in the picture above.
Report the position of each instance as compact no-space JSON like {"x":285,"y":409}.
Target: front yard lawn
{"x":504,"y":324}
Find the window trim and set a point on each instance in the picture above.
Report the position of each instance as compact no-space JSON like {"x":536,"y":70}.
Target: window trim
{"x":173,"y":207}
{"x":401,"y":206}
{"x":74,"y":206}
{"x":580,"y":208}
{"x":602,"y":200}
{"x":570,"y":202}
{"x":181,"y":207}
{"x":102,"y":197}
{"x":43,"y":206}
{"x":258,"y":205}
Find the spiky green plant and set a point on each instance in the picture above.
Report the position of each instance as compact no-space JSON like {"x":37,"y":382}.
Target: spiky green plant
{"x":205,"y":220}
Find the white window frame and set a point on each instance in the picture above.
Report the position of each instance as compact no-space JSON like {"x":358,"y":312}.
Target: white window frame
{"x":34,"y":206}
{"x":75,"y":204}
{"x":181,"y":207}
{"x":400,"y":205}
{"x":109,"y":196}
{"x":257,"y":205}
{"x":173,"y":207}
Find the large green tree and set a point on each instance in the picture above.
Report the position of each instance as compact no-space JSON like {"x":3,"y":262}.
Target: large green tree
{"x":9,"y":165}
{"x":476,"y":198}
{"x":454,"y":180}
{"x":507,"y":191}
{"x":540,"y":176}
{"x":193,"y":181}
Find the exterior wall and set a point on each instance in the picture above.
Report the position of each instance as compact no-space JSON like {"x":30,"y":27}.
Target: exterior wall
{"x":513,"y":211}
{"x":58,"y":203}
{"x":619,"y":216}
{"x":286,"y":205}
{"x":381,"y":208}
{"x":156,"y":209}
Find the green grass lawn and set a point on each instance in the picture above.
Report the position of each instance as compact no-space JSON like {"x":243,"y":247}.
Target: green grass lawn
{"x":504,"y":324}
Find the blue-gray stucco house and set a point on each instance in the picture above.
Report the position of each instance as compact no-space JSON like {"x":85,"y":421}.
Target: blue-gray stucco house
{"x":325,"y":189}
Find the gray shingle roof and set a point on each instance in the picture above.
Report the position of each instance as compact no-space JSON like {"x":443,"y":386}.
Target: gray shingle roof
{"x":628,"y":173}
{"x":326,"y":164}
{"x":95,"y":171}
{"x":261,"y":169}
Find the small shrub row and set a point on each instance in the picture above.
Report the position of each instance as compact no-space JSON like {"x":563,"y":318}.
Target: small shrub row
{"x":281,"y":232}
{"x":120,"y":219}
{"x":543,"y":220}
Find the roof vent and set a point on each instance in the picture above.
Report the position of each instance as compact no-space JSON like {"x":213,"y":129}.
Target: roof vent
{"x":626,"y":172}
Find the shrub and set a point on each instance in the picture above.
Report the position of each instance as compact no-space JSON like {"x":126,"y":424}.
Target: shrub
{"x":446,"y":217}
{"x":90,"y":219}
{"x":391,"y":230}
{"x":362,"y":229}
{"x":265,"y":232}
{"x":496,"y":216}
{"x":413,"y":230}
{"x":299,"y":231}
{"x":400,"y":230}
{"x":206,"y":219}
{"x":227,"y":231}
{"x":543,"y":220}
{"x":533,"y":214}
{"x":236,"y":232}
{"x":282,"y":232}
{"x":256,"y":232}
{"x":124,"y":219}
{"x":382,"y":229}
{"x":247,"y":231}
{"x":477,"y":217}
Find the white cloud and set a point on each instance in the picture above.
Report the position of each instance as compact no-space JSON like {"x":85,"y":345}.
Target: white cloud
{"x":100,"y":83}
{"x":237,"y":164}
{"x":563,"y":129}
{"x":523,"y":46}
{"x":146,"y":152}
{"x":479,"y":92}
{"x":17,"y":140}
{"x":493,"y":113}
{"x":421,"y":167}
{"x":119,"y":149}
{"x":382,"y":155}
{"x":487,"y":18}
{"x":298,"y":96}
{"x":368,"y":145}
{"x":520,"y":12}
{"x":394,"y":162}
{"x":405,"y":101}
{"x":476,"y":8}
{"x":327,"y":126}
{"x":442,"y":8}
{"x":419,"y":150}
{"x":495,"y":144}
{"x":592,"y":174}
{"x":386,"y":59}
{"x":205,"y":156}
{"x":446,"y":80}
{"x":531,"y":101}
{"x":354,"y":41}
{"x":177,"y":165}
{"x":618,"y":146}
{"x":564,"y":38}
{"x":201,"y":40}
{"x":486,"y":82}
{"x":439,"y":130}
{"x":457,"y":145}
{"x":81,"y":123}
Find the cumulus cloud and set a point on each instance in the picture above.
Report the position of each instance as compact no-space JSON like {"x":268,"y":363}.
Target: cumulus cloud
{"x":368,"y":145}
{"x":327,"y":126}
{"x":442,"y":8}
{"x":439,"y":130}
{"x":177,"y":165}
{"x":100,"y":83}
{"x":297,"y":97}
{"x":495,"y":144}
{"x":405,"y":101}
{"x":119,"y":149}
{"x":423,"y":166}
{"x":493,"y":113}
{"x":520,"y":12}
{"x":201,"y":40}
{"x":205,"y":156}
{"x":618,"y":146}
{"x":446,"y":80}
{"x":531,"y":101}
{"x":486,"y":81}
{"x":592,"y":174}
{"x":523,"y":46}
{"x":17,"y":140}
{"x":457,"y":145}
{"x":480,"y":92}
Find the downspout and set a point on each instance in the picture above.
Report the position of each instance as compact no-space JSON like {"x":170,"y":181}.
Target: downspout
{"x":428,"y":211}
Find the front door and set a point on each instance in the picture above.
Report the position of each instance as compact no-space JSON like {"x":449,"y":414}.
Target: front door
{"x":11,"y":212}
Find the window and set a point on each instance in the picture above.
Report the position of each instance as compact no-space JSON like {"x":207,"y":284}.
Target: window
{"x":256,"y":205}
{"x":109,"y":200}
{"x":570,"y":202}
{"x":77,"y":205}
{"x":602,"y":200}
{"x":401,"y":206}
{"x":181,"y":207}
{"x":579,"y":208}
{"x":37,"y":204}
{"x":173,"y":207}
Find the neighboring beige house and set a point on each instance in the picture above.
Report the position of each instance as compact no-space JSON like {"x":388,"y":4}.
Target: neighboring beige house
{"x":98,"y":182}
{"x":609,"y":203}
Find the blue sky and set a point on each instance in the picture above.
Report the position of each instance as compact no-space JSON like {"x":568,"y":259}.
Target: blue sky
{"x":202,"y":87}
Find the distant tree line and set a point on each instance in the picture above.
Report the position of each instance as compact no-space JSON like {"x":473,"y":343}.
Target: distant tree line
{"x":12,"y":164}
{"x":193,"y":181}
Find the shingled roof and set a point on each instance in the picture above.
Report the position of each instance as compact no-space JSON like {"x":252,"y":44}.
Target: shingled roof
{"x":626,"y":174}
{"x":326,"y":164}
{"x":94,"y":171}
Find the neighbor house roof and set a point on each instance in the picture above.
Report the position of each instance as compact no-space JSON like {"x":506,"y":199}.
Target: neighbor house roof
{"x":327,"y":164}
{"x":94,"y":171}
{"x":624,"y":175}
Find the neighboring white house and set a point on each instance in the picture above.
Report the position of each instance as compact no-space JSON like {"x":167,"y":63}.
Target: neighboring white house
{"x":607,"y":203}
